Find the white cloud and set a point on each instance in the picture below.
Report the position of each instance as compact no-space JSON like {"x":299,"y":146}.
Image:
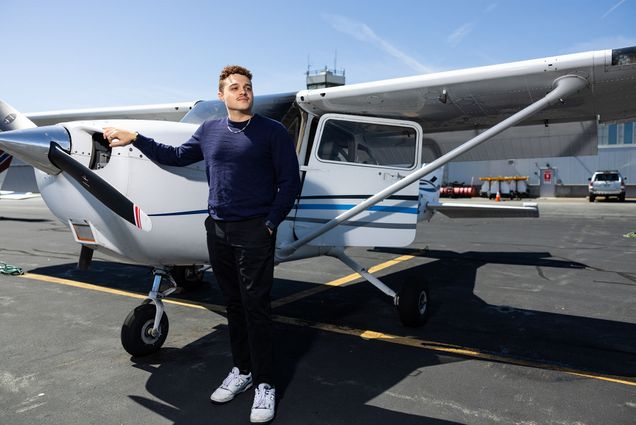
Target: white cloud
{"x":616,"y":42}
{"x":611,"y":9}
{"x":461,"y":32}
{"x":490,"y":8}
{"x":458,"y":35}
{"x":362,"y":32}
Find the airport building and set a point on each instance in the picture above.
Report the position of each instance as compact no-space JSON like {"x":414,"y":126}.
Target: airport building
{"x":563,"y":176}
{"x":324,"y":78}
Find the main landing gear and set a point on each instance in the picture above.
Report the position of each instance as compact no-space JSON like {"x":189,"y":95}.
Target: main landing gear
{"x":412,"y":300}
{"x":146,"y":327}
{"x":412,"y":304}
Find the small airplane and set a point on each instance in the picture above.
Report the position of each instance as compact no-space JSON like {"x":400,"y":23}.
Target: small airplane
{"x":370,"y":157}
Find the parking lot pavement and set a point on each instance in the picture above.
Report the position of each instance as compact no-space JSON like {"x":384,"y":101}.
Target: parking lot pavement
{"x":530,"y":321}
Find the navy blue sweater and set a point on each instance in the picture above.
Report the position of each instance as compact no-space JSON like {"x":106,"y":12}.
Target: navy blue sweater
{"x":253,"y":173}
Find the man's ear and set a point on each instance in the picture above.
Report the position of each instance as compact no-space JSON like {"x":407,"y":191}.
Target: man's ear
{"x":220,"y":95}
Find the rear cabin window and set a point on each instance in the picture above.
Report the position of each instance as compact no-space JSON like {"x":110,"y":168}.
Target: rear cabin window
{"x":368,"y":143}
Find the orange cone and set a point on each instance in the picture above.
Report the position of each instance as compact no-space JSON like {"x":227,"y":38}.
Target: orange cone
{"x":498,"y":197}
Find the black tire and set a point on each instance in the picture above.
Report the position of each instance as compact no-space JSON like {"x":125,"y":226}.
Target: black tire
{"x":592,"y":197}
{"x":621,"y":197}
{"x":413,"y":304}
{"x":135,"y":332}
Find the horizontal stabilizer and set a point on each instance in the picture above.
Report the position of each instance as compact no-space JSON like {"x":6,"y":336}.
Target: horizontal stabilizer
{"x":17,"y":196}
{"x":459,"y":210}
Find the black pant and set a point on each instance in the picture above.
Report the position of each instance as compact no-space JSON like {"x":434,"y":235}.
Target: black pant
{"x":242,"y":258}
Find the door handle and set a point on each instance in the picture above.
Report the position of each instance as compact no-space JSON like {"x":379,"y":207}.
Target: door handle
{"x":392,"y":176}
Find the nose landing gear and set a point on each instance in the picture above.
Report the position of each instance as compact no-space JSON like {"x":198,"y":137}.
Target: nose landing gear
{"x":146,"y":327}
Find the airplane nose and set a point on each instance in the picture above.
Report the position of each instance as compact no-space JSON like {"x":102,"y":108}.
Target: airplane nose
{"x":32,"y":145}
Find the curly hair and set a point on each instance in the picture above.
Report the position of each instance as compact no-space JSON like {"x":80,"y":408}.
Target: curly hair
{"x":232,"y":69}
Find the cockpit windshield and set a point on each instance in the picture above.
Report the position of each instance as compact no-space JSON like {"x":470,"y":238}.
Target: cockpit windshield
{"x":274,"y":106}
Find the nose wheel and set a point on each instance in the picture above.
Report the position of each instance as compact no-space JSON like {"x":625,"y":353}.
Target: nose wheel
{"x":146,"y":327}
{"x":138,"y":336}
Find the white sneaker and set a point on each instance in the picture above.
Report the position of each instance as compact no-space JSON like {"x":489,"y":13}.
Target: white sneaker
{"x":264,"y":404}
{"x":234,"y":384}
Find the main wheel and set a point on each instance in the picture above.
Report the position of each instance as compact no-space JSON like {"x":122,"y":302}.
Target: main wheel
{"x":188,"y":277}
{"x":413,"y":304}
{"x":592,"y":197}
{"x":136,"y":335}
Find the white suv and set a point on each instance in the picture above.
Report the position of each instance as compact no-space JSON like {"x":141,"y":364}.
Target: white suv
{"x":607,"y":183}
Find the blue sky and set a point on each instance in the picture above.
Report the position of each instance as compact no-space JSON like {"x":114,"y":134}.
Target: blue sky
{"x":78,"y":54}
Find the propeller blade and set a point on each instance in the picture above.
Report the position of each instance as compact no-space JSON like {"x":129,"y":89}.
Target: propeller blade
{"x":99,"y":188}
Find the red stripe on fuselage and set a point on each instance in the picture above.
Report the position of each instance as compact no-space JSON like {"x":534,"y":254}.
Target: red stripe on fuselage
{"x":137,"y":219}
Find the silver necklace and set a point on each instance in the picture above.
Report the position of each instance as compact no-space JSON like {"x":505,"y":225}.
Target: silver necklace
{"x":227,"y":123}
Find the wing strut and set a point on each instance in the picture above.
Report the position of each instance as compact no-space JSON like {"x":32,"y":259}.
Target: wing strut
{"x":562,"y":87}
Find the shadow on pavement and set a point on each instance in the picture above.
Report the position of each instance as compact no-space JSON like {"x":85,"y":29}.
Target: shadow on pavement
{"x":328,"y":378}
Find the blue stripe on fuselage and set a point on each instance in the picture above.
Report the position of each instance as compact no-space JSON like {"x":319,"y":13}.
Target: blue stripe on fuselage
{"x":344,"y":207}
{"x":179,"y":213}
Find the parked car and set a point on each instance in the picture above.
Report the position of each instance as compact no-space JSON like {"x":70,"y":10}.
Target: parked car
{"x":607,"y":183}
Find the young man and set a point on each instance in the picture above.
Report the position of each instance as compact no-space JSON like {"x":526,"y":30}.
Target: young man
{"x":253,"y":178}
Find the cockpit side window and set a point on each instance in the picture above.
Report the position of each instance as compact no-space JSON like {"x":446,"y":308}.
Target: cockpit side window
{"x":368,"y":143}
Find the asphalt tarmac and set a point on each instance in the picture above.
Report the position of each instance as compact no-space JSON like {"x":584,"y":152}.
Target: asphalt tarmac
{"x":532,"y":321}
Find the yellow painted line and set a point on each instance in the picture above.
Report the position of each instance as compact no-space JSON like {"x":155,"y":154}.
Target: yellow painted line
{"x":364,"y":334}
{"x":343,"y":281}
{"x":76,"y":284}
{"x":449,"y":349}
{"x":83,"y":285}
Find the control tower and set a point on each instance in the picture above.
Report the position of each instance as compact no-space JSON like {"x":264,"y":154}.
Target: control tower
{"x":325,"y":78}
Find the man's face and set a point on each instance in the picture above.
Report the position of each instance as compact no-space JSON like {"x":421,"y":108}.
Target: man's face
{"x":237,"y":93}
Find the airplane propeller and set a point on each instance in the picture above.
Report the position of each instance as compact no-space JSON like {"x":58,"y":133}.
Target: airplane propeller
{"x":46,"y":148}
{"x":98,"y":187}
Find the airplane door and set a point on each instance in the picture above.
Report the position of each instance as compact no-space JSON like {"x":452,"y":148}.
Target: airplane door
{"x":353,"y":158}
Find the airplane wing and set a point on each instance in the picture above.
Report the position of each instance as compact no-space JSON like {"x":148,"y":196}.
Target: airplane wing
{"x":466,"y":210}
{"x":453,"y":106}
{"x":590,"y":86}
{"x":481,"y":97}
{"x":160,"y":112}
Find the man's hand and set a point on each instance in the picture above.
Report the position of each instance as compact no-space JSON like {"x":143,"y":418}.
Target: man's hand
{"x":119,"y":137}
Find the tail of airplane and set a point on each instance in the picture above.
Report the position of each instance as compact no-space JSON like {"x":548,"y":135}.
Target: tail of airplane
{"x":5,"y":161}
{"x":10,"y":119}
{"x":429,"y":193}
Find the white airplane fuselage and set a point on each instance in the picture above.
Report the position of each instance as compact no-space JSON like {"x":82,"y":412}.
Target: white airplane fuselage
{"x":175,"y":199}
